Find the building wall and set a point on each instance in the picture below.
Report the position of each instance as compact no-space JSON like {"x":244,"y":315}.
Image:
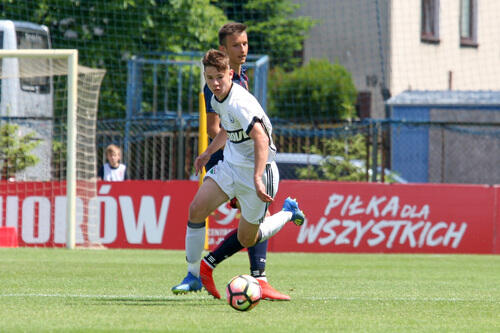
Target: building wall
{"x":464,"y":154}
{"x":379,"y":41}
{"x":422,"y":66}
{"x":354,"y":33}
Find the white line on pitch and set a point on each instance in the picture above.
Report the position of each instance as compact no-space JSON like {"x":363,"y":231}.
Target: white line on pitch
{"x":312,"y":298}
{"x":136,"y":297}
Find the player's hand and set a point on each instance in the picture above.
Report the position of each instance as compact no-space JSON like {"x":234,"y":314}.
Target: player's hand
{"x":261,"y":191}
{"x":200,"y":162}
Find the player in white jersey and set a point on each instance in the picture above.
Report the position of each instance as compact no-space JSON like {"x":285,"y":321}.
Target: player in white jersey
{"x":248,"y":171}
{"x":233,"y":41}
{"x":240,"y":114}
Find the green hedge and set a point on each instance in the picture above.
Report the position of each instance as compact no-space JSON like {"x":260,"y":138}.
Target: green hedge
{"x":318,"y":91}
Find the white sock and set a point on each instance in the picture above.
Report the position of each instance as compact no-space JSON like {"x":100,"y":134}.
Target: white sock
{"x":273,"y":224}
{"x":195,"y":242}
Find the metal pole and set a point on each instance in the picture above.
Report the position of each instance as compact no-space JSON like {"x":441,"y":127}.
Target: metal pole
{"x":374,"y":151}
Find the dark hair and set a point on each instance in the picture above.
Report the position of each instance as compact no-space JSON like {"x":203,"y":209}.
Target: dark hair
{"x":217,"y":59}
{"x":230,"y":28}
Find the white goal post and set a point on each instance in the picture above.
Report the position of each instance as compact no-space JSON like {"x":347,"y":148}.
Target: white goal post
{"x":69,"y":60}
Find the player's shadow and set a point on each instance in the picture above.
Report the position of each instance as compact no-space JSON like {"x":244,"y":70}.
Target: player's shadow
{"x":157,"y":301}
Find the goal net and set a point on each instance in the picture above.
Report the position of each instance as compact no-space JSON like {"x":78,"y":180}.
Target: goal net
{"x":48,"y":110}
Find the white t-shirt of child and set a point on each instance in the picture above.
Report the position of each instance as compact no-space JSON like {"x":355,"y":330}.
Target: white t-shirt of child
{"x":114,"y":174}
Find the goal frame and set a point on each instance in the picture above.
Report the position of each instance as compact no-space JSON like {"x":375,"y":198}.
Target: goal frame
{"x":72,"y":58}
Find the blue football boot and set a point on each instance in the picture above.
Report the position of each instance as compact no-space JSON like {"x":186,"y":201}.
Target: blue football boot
{"x":291,"y":205}
{"x":189,"y":284}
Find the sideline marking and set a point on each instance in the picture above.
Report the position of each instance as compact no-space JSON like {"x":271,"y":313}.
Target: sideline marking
{"x":312,"y":298}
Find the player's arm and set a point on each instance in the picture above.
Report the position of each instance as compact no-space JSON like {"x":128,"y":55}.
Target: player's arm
{"x":217,"y":143}
{"x":261,"y":146}
{"x":213,"y":120}
{"x":213,"y":124}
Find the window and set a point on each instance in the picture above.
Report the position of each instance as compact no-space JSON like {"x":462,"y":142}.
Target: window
{"x":363,"y":104}
{"x":33,"y":40}
{"x":430,"y":21}
{"x":468,"y":23}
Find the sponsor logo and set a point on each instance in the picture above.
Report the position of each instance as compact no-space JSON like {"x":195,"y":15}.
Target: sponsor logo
{"x":226,"y":219}
{"x":237,"y":136}
{"x":382,"y":221}
{"x":42,"y":219}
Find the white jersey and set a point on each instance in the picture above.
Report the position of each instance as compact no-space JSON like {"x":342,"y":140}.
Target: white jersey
{"x":114,"y":174}
{"x":238,"y":113}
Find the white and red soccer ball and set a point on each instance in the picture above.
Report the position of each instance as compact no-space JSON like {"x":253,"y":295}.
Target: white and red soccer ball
{"x":243,"y":292}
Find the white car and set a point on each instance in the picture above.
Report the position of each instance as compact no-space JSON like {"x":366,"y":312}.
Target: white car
{"x":289,"y":163}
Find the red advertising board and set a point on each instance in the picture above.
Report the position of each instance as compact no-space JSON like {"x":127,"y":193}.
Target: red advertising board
{"x":390,"y":218}
{"x":496,"y":234}
{"x":130,"y":214}
{"x":341,"y":217}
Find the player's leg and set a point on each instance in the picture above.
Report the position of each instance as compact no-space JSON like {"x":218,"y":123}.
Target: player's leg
{"x":257,"y":255}
{"x":274,"y":223}
{"x":246,"y":192}
{"x":250,"y":233}
{"x":253,"y":209}
{"x":206,"y":200}
{"x":228,"y":247}
{"x":230,"y":244}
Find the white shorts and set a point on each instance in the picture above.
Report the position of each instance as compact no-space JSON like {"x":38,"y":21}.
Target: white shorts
{"x":238,"y":182}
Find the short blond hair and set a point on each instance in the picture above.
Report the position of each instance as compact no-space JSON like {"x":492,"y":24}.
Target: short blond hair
{"x":113,"y":148}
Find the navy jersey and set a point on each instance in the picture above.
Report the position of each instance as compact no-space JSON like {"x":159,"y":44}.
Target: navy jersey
{"x":242,"y":80}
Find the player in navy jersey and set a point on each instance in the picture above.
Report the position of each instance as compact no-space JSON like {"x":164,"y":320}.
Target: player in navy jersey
{"x":233,"y":41}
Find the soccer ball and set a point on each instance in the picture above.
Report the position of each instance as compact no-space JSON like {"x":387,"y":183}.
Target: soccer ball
{"x":243,"y":292}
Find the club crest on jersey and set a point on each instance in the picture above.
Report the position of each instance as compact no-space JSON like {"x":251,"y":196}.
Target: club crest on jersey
{"x":237,"y":136}
{"x":231,"y":119}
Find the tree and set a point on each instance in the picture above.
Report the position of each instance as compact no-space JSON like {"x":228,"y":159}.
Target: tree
{"x":15,"y":150}
{"x":344,"y":159}
{"x":341,"y":160}
{"x":108,"y":33}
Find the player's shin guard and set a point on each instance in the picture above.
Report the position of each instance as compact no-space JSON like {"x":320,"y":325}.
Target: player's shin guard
{"x":272,"y":224}
{"x":195,"y":242}
{"x":229,"y":246}
{"x":257,"y":255}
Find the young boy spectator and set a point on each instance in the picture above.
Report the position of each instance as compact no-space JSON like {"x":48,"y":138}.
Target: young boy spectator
{"x":113,"y":170}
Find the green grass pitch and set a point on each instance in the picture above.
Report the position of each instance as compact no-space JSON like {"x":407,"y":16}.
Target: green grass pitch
{"x":57,"y":290}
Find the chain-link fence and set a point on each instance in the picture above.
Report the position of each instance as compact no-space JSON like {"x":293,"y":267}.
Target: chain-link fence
{"x":387,"y":151}
{"x":321,"y":63}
